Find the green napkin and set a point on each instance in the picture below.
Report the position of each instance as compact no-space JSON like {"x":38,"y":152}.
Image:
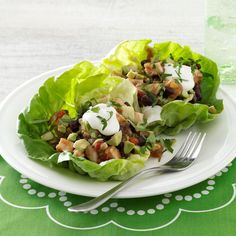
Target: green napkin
{"x":28,"y":208}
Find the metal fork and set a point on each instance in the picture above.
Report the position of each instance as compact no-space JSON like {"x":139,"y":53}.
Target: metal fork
{"x":185,"y":156}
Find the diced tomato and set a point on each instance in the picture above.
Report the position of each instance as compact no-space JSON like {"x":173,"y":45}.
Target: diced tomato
{"x":98,"y":145}
{"x":60,"y":114}
{"x":56,"y":116}
{"x":134,"y":140}
{"x":140,"y":93}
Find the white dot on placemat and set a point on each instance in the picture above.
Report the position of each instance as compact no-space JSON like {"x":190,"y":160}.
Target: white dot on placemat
{"x":168,"y":195}
{"x":105,"y":209}
{"x":24,"y":176}
{"x":52,"y":195}
{"x":61,"y":193}
{"x":211,"y":182}
{"x":209,"y":187}
{"x":230,"y":164}
{"x":67,"y":203}
{"x":63,"y":198}
{"x":159,"y":206}
{"x":212,"y":177}
{"x":130,"y":212}
{"x":26,"y":186}
{"x":197,"y":195}
{"x":23,"y":181}
{"x":165,"y":201}
{"x":114,"y":204}
{"x":179,"y":197}
{"x":40,"y":194}
{"x":219,"y":173}
{"x":225,"y":169}
{"x":120,"y":209}
{"x":32,"y":191}
{"x":151,"y":211}
{"x":94,"y":212}
{"x":205,"y":192}
{"x":141,"y":212}
{"x":188,"y":198}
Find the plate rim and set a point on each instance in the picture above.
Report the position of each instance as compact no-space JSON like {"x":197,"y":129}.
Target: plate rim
{"x":42,"y":180}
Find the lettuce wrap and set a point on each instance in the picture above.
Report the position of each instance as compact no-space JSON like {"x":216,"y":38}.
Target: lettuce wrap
{"x":176,"y":115}
{"x":70,"y":91}
{"x":76,"y":88}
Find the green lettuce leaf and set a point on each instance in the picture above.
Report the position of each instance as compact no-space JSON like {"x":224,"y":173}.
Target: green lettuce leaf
{"x":70,"y":91}
{"x":211,"y":80}
{"x":130,"y":52}
{"x":176,"y":115}
{"x":127,"y":92}
{"x":115,"y":169}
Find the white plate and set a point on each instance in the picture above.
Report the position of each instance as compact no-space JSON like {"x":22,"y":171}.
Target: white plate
{"x":218,"y":150}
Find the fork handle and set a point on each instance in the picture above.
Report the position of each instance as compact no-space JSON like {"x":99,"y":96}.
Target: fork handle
{"x":98,"y":201}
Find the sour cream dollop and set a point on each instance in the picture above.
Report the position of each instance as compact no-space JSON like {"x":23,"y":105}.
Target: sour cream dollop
{"x":152,"y":113}
{"x":184,"y":71}
{"x":102,"y":118}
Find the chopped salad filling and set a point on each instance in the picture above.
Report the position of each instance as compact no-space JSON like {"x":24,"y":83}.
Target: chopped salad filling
{"x":162,"y":81}
{"x":103,"y":132}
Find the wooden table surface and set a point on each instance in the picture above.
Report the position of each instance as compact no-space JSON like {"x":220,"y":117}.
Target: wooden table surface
{"x":39,"y":35}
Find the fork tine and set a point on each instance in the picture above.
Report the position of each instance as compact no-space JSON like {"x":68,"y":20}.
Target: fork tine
{"x":192,"y":147}
{"x":188,"y":146}
{"x":197,"y":149}
{"x":183,"y":145}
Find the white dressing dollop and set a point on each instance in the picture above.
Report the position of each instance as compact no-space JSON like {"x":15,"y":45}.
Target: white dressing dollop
{"x":152,"y":113}
{"x":184,"y":71}
{"x":102,"y":118}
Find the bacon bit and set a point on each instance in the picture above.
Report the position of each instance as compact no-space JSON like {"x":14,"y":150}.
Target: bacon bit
{"x":64,"y":145}
{"x":134,"y":140}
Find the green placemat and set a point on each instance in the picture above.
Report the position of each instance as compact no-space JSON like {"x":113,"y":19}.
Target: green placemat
{"x":208,"y":208}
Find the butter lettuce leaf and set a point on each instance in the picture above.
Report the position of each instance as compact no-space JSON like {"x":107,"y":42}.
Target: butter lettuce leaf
{"x":130,"y":52}
{"x":211,"y":80}
{"x":115,"y":169}
{"x":176,"y":115}
{"x":70,"y":91}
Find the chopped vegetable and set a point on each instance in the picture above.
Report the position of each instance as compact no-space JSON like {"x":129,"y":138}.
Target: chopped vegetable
{"x":81,"y":144}
{"x":115,"y":140}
